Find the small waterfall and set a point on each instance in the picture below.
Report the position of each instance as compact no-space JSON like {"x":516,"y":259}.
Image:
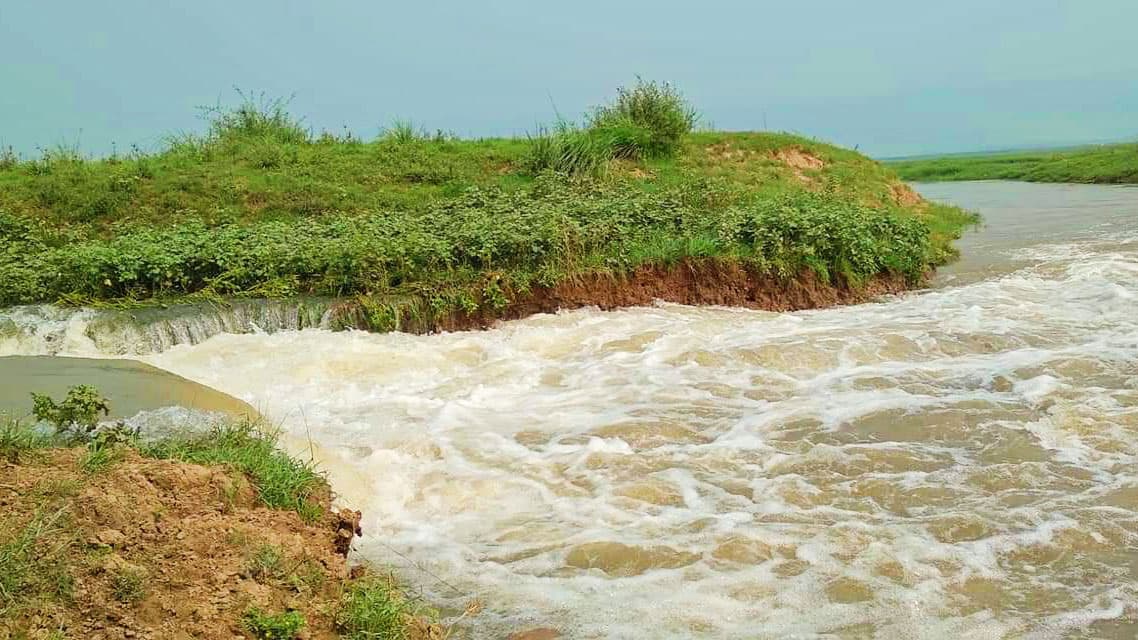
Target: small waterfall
{"x":51,"y":330}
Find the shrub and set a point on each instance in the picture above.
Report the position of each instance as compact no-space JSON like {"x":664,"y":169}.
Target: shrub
{"x":654,"y":116}
{"x":78,"y":413}
{"x":266,"y":626}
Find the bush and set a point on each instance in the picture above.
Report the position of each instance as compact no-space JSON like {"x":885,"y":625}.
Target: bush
{"x":76,"y":415}
{"x":651,"y":117}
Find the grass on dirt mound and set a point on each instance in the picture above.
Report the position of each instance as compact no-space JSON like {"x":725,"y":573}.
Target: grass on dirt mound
{"x":260,"y":206}
{"x":207,"y":536}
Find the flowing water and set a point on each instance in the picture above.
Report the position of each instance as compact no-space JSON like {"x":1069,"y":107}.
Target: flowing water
{"x":960,"y":462}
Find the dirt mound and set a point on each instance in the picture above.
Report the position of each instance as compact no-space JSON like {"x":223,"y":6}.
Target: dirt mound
{"x":160,"y":549}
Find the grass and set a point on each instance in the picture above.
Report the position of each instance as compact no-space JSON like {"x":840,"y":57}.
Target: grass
{"x":1105,"y":164}
{"x":374,"y":608}
{"x":262,"y":207}
{"x":281,"y":481}
{"x":33,"y":564}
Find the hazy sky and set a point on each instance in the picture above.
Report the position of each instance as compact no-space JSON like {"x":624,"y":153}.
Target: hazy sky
{"x":892,"y":77}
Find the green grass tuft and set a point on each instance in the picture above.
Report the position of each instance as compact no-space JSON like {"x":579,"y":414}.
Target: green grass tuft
{"x":373,"y":608}
{"x":18,"y":439}
{"x":281,"y":481}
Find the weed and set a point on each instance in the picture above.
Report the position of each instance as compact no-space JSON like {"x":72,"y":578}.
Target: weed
{"x":129,"y":586}
{"x":374,"y":607}
{"x":17,"y":439}
{"x":266,"y":626}
{"x":402,"y":132}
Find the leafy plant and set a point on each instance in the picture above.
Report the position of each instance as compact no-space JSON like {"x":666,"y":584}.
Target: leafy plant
{"x":77,"y":414}
{"x":266,"y":626}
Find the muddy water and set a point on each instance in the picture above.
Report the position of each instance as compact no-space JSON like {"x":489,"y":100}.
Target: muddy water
{"x":960,"y":462}
{"x":130,"y":386}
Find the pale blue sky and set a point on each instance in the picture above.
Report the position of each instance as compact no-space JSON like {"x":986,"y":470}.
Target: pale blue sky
{"x":892,"y":77}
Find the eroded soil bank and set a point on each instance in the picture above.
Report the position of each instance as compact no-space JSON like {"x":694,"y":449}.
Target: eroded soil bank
{"x":688,"y":282}
{"x":160,"y":549}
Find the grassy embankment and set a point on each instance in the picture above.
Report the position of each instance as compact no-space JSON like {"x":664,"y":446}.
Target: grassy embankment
{"x":1104,"y":164}
{"x":419,"y":225}
{"x":207,"y":535}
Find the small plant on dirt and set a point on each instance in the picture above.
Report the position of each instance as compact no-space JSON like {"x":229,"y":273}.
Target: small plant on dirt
{"x":266,"y":563}
{"x":266,"y":626}
{"x":129,"y":586}
{"x":76,"y":415}
{"x":33,"y":561}
{"x":107,"y":447}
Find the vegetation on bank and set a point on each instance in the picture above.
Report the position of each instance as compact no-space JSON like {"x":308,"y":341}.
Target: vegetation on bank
{"x":260,"y":206}
{"x":86,"y":547}
{"x":1103,"y":164}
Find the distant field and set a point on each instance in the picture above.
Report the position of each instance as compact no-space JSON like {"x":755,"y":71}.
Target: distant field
{"x":1104,"y":164}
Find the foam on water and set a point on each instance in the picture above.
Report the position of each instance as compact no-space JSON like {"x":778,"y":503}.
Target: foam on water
{"x":956,"y":463}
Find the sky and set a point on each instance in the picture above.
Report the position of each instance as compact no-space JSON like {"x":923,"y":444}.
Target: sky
{"x":889,"y":77}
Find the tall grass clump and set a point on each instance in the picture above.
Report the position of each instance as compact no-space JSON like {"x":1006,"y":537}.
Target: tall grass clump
{"x":568,"y":150}
{"x":257,"y":116}
{"x":650,"y":118}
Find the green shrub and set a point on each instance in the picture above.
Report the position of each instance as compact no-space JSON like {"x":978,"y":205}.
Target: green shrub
{"x":76,"y":415}
{"x":266,"y":626}
{"x":653,"y":116}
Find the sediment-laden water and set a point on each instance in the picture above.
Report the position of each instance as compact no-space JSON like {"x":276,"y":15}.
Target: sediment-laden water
{"x":960,"y":462}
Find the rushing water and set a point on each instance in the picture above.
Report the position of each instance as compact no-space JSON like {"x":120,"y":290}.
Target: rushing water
{"x":960,"y":462}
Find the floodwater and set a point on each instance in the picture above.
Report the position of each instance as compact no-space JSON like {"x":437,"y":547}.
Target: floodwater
{"x":959,"y":462}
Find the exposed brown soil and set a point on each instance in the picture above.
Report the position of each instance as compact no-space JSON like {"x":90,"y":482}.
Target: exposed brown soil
{"x":168,"y":550}
{"x":693,"y":283}
{"x":904,"y":195}
{"x":799,"y":159}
